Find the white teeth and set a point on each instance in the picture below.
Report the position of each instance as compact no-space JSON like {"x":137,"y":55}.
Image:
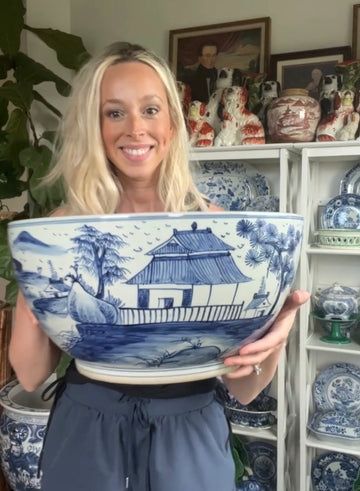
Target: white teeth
{"x":136,"y":151}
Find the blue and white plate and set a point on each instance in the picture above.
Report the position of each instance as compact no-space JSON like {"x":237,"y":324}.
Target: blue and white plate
{"x":262,"y":458}
{"x":342,"y":211}
{"x":333,"y":423}
{"x":334,"y":471}
{"x":229,"y":183}
{"x":338,"y":387}
{"x":350,"y":183}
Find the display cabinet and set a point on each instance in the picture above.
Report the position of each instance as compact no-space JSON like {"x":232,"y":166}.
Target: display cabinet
{"x":323,"y":165}
{"x":280,"y":164}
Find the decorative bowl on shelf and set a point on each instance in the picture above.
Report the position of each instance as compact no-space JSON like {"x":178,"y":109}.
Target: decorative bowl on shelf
{"x":234,"y":185}
{"x":250,"y":418}
{"x":339,"y":238}
{"x":156,"y":298}
{"x":337,"y":302}
{"x":337,"y":426}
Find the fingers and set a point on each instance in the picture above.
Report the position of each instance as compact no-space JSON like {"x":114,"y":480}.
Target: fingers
{"x":295,"y":300}
{"x":252,"y":359}
{"x":279,"y":331}
{"x":258,"y":351}
{"x":240,"y":372}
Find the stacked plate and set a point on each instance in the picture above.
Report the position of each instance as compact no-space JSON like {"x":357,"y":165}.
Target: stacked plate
{"x":234,"y":185}
{"x":334,"y":471}
{"x":340,"y":218}
{"x":336,"y":394}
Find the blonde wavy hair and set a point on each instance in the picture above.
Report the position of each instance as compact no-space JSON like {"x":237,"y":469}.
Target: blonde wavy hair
{"x":80,"y":161}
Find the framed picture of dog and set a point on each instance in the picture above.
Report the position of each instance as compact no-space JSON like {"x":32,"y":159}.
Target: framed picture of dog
{"x":196,"y":53}
{"x":356,"y":32}
{"x":304,"y":69}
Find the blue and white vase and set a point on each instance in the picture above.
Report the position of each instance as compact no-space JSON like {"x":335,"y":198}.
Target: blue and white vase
{"x":22,"y":428}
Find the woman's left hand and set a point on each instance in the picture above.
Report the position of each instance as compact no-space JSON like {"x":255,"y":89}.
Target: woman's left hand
{"x":255,"y":353}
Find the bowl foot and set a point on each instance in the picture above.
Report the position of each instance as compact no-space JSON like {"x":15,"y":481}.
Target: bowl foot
{"x":111,"y":374}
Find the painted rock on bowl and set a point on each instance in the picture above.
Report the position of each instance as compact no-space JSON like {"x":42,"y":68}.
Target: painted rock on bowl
{"x":156,"y":298}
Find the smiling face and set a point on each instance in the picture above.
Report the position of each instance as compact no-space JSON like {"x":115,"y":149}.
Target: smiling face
{"x":135,"y":121}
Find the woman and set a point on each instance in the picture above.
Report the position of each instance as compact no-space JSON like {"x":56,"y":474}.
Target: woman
{"x":123,"y":149}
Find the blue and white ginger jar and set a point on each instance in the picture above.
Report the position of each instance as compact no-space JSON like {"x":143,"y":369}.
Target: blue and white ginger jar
{"x":22,"y":428}
{"x":337,"y":302}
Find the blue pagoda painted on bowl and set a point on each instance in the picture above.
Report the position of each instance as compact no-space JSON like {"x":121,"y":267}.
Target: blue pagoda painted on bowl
{"x":156,"y":293}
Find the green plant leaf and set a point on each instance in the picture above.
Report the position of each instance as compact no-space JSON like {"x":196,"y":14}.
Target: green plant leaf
{"x":240,"y":448}
{"x":40,"y":98}
{"x":10,"y":185}
{"x":30,"y":72}
{"x":19,"y":94}
{"x":239,"y":466}
{"x":356,"y":485}
{"x":4,"y":114}
{"x":6,"y":270}
{"x":5,"y":65}
{"x":11,"y":25}
{"x":69,"y":48}
{"x":46,"y":197}
{"x":63,"y":364}
{"x":11,"y":292}
{"x":18,"y":138}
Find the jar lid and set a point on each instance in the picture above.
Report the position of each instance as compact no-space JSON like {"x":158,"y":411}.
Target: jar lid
{"x":295,"y":91}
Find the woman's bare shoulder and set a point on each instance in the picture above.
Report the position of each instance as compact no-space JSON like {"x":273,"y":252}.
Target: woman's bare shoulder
{"x":213,"y":207}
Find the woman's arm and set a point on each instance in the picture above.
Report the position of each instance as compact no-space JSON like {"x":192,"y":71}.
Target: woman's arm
{"x":243,"y":382}
{"x":32,"y":355}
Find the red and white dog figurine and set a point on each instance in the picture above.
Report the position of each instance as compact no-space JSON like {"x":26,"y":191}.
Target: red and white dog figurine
{"x":343,"y":123}
{"x":239,"y":125}
{"x":201,"y":132}
{"x":185,"y":96}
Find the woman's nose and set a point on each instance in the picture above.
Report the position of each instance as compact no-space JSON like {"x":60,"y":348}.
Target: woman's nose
{"x":135,"y":125}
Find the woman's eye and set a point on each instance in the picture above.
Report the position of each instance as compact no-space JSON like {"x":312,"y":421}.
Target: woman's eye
{"x":152,"y":111}
{"x":114,"y":114}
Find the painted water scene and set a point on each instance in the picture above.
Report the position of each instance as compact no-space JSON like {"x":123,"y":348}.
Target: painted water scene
{"x":156,"y":291}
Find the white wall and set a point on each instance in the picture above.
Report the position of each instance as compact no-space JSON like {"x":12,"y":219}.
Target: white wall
{"x":296,"y":25}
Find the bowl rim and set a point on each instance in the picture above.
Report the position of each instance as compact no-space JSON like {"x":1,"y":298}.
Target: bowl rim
{"x":138,"y":216}
{"x":12,"y":389}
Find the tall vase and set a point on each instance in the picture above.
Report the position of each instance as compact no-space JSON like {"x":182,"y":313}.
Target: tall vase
{"x":22,"y":429}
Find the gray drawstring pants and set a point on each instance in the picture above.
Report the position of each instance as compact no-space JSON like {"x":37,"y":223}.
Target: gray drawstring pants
{"x":100,"y":439}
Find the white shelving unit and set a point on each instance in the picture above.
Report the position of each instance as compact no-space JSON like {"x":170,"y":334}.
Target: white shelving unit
{"x":322,"y":167}
{"x":281,"y":165}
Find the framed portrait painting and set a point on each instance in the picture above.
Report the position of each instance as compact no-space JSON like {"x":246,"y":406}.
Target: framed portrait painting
{"x":304,"y":69}
{"x":244,"y":44}
{"x":356,"y":32}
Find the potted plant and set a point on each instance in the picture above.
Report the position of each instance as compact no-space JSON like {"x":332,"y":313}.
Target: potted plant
{"x":25,"y":151}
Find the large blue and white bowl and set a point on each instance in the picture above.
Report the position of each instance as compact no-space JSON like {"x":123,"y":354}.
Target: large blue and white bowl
{"x":156,"y":298}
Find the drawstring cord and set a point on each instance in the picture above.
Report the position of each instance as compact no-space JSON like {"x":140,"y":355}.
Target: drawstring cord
{"x":139,"y":420}
{"x":55,"y":389}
